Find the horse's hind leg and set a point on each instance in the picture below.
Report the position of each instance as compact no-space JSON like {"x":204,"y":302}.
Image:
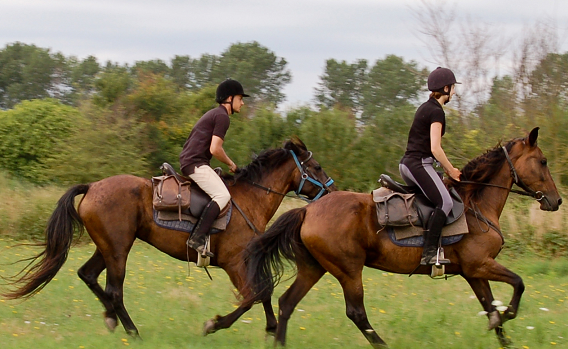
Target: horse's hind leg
{"x":306,"y":278}
{"x":355,"y":307}
{"x":89,"y":273}
{"x":116,"y":271}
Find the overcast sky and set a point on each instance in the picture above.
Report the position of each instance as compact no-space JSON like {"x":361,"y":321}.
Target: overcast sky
{"x":304,"y":32}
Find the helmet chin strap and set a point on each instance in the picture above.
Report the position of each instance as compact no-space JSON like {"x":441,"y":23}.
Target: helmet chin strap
{"x":230,"y":104}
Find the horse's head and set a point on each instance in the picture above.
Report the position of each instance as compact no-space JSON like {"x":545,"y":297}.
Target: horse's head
{"x":310,"y":179}
{"x":532,"y":172}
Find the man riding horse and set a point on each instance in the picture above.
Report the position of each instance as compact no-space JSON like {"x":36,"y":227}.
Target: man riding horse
{"x":204,"y":142}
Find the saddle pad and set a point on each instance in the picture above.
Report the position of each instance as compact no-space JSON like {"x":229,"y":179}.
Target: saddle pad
{"x":170,"y":220}
{"x":418,"y":241}
{"x":457,"y":228}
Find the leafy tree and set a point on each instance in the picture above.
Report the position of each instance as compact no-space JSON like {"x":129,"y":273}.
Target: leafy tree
{"x":342,"y":85}
{"x":392,"y":83}
{"x":25,"y":73}
{"x":331,"y":135}
{"x":261,"y":72}
{"x":157,"y":67}
{"x":194,"y":74}
{"x":30,"y":133}
{"x":103,"y":145}
{"x":547,"y":106}
{"x":112,"y":84}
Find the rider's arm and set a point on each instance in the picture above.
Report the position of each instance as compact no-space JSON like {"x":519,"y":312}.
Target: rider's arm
{"x":218,"y":152}
{"x":438,"y":152}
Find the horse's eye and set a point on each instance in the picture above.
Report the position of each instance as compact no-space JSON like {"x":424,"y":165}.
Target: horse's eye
{"x":543,"y":161}
{"x":317,"y":168}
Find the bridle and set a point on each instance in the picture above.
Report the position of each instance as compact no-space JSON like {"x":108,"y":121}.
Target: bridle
{"x":538,"y":195}
{"x":305,"y":176}
{"x":309,"y":176}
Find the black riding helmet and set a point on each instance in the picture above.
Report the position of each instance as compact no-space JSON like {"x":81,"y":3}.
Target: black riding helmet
{"x":227,"y":89}
{"x":440,"y":78}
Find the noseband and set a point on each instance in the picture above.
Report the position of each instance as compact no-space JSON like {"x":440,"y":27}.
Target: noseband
{"x":309,"y":176}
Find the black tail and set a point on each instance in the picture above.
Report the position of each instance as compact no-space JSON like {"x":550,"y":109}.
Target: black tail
{"x":281,"y":240}
{"x":58,"y":237}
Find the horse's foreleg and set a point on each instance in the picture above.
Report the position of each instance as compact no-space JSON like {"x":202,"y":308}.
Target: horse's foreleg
{"x":493,"y":271}
{"x":89,"y":273}
{"x":478,"y":280}
{"x":222,"y":322}
{"x":483,"y":293}
{"x":306,"y":278}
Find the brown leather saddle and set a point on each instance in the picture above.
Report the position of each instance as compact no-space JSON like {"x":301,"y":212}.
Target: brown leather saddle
{"x":198,"y":198}
{"x":421,"y":204}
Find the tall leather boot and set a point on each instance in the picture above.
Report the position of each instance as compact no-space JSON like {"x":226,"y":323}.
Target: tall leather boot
{"x":202,"y":228}
{"x":432,"y":238}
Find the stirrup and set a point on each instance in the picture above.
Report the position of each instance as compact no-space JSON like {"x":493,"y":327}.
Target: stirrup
{"x":438,"y":260}
{"x":200,"y":248}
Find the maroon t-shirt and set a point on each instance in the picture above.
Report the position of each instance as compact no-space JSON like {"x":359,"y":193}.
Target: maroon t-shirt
{"x":196,"y":150}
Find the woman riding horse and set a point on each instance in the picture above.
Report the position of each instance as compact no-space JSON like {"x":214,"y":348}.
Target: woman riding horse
{"x":340,"y":234}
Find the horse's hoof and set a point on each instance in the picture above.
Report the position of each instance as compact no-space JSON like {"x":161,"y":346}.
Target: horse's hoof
{"x":494,"y":320}
{"x":134,"y":334}
{"x":111,"y":323}
{"x":209,"y":327}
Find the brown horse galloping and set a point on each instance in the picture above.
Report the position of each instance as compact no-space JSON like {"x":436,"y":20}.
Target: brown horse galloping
{"x":117,"y":210}
{"x":339,"y":234}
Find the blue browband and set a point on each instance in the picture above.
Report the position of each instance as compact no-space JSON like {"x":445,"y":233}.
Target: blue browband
{"x":305,"y":176}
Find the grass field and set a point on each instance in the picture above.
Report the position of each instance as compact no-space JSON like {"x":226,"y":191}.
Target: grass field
{"x":169,"y":307}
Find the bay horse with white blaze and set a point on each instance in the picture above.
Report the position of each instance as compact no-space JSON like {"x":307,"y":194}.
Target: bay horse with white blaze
{"x":340,"y":234}
{"x":117,"y":210}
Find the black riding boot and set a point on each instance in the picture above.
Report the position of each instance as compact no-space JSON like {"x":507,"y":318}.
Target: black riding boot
{"x":432,"y":238}
{"x":202,"y":228}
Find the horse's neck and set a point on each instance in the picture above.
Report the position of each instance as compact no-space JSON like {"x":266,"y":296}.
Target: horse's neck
{"x":261,"y":203}
{"x":494,"y":199}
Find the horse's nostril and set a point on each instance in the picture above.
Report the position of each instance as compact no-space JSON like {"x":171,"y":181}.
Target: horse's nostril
{"x":559,"y":201}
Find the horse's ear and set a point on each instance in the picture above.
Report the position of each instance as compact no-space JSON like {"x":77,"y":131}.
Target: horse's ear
{"x":533,"y":136}
{"x":295,"y":144}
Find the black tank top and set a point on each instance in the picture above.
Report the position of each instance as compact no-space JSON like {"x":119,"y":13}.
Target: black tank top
{"x":419,"y":143}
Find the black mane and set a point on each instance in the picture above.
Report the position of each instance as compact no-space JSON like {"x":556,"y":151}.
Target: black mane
{"x":483,"y":168}
{"x":266,"y":161}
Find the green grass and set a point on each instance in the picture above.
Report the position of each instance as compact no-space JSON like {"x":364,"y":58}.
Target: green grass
{"x":169,"y":308}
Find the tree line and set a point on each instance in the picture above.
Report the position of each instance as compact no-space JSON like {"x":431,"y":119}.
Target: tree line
{"x":67,"y":120}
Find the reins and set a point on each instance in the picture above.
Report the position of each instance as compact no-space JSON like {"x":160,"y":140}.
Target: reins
{"x":538,"y":195}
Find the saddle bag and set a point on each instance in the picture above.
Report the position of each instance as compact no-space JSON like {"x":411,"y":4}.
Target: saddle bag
{"x":395,"y":209}
{"x":170,"y":194}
